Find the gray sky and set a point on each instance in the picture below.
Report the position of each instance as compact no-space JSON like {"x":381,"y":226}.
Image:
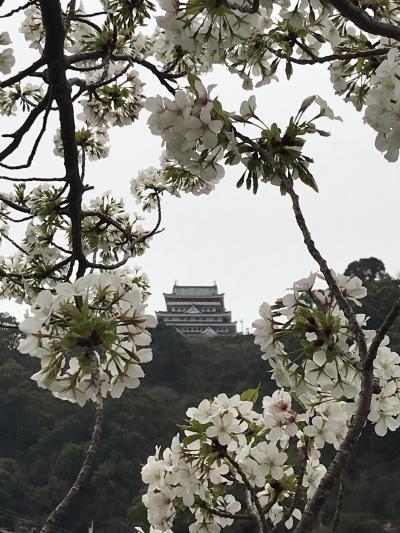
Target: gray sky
{"x":250,"y":244}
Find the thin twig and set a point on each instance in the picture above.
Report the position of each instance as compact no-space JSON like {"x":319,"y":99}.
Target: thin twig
{"x":252,"y":492}
{"x":36,"y":143}
{"x":225,"y":514}
{"x":300,"y":477}
{"x":9,"y":178}
{"x":10,"y":240}
{"x":86,"y":467}
{"x":17,"y":9}
{"x":333,"y":286}
{"x":18,"y":135}
{"x":382,"y":330}
{"x":347,"y":56}
{"x":339,"y":502}
{"x":13,"y":205}
{"x":23,"y":73}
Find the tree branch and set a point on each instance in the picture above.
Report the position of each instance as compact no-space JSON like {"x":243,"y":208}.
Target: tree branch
{"x":253,"y":494}
{"x":362,"y":20}
{"x":300,"y":477}
{"x":57,"y":64}
{"x":17,"y":9}
{"x":23,"y":74}
{"x":58,"y":512}
{"x":346,"y":56}
{"x":333,"y":286}
{"x":9,"y":178}
{"x":36,"y":142}
{"x":342,"y":456}
{"x":225,"y":514}
{"x":26,"y":126}
{"x":10,"y":240}
{"x":109,"y":220}
{"x":15,"y":206}
{"x":381,"y":332}
{"x":339,"y":502}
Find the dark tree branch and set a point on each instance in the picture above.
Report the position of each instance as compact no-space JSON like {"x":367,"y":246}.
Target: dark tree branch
{"x":23,"y":219}
{"x":345,"y":56}
{"x":110,"y":221}
{"x":382,"y":331}
{"x":158,"y":223}
{"x":86,"y":21}
{"x":35,"y":144}
{"x":15,"y":206}
{"x":10,"y":240}
{"x":84,"y":472}
{"x":362,"y":20}
{"x":96,"y":14}
{"x":54,"y":54}
{"x":359,"y":419}
{"x":342,"y":456}
{"x":296,"y":497}
{"x":163,"y":77}
{"x":251,"y":490}
{"x":29,"y":71}
{"x":106,"y":266}
{"x":344,"y":305}
{"x":9,"y":178}
{"x":225,"y":514}
{"x":18,"y":135}
{"x":17,"y":9}
{"x":339,"y":502}
{"x":84,"y":56}
{"x":39,"y":276}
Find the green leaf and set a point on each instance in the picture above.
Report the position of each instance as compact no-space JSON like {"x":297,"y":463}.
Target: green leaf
{"x":255,"y":184}
{"x":241,"y":180}
{"x":289,"y":69}
{"x":275,"y":132}
{"x":194,"y":7}
{"x":323,"y":133}
{"x":190,"y":438}
{"x":248,"y":182}
{"x":250,"y":395}
{"x":192,"y":78}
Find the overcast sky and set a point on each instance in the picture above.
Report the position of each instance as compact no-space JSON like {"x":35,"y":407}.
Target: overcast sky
{"x":250,"y":244}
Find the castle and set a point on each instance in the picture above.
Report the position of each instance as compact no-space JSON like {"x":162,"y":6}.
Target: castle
{"x":197,"y":310}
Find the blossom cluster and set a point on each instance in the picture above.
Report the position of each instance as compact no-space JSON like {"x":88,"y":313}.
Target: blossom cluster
{"x":382,"y":111}
{"x":116,"y":104}
{"x":190,"y":126}
{"x":109,"y":234}
{"x":7,"y":58}
{"x":325,"y":369}
{"x":99,"y":316}
{"x":226,"y":445}
{"x":197,"y":133}
{"x":193,"y":36}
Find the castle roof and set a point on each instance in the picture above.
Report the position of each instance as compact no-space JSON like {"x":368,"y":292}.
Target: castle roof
{"x":194,"y":290}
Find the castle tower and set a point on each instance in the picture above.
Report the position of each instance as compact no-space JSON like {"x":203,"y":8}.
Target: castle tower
{"x":198,"y":311}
